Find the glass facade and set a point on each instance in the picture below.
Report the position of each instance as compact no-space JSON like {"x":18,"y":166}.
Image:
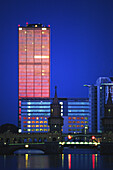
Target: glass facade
{"x":34,"y":61}
{"x":98,"y":96}
{"x":34,"y":115}
{"x":79,"y":116}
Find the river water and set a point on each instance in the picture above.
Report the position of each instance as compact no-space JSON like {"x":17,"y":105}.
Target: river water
{"x":83,"y":159}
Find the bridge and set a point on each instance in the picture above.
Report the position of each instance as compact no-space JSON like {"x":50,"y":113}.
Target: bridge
{"x":47,"y":142}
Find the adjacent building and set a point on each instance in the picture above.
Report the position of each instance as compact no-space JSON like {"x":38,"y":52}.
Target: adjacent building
{"x":98,"y":96}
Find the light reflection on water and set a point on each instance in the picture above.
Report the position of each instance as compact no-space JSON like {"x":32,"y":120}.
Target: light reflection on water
{"x":79,"y":159}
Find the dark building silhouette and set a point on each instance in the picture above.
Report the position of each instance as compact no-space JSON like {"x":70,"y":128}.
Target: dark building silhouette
{"x":108,"y":115}
{"x":55,"y":121}
{"x":8,"y":128}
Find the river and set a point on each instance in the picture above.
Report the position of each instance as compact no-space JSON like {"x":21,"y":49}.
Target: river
{"x":78,"y":159}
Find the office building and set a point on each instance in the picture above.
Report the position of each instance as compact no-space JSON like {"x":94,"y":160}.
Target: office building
{"x":33,"y":62}
{"x":36,"y":111}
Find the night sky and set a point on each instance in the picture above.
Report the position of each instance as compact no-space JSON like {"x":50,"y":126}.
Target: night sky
{"x":81,"y":46}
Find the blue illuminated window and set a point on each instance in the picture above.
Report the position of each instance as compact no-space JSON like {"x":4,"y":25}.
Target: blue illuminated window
{"x":78,"y":103}
{"x":70,"y":110}
{"x":78,"y":106}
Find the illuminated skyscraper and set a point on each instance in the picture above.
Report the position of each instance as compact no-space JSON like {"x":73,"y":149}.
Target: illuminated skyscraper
{"x":34,"y":61}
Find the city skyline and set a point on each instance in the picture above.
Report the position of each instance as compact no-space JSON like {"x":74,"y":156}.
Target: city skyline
{"x":81,"y":47}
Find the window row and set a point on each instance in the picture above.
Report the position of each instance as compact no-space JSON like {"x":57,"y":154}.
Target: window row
{"x":35,"y":122}
{"x":78,"y":118}
{"x":35,"y":117}
{"x":75,"y":125}
{"x":77,"y":121}
{"x":36,"y":130}
{"x":35,"y":125}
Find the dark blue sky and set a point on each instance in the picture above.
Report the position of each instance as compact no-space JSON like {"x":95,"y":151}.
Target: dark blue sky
{"x":81,"y":46}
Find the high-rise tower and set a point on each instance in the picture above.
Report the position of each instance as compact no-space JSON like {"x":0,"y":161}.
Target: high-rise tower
{"x":33,"y":62}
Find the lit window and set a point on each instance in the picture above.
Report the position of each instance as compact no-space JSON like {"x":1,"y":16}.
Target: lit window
{"x":86,"y":118}
{"x":86,"y":121}
{"x":42,"y":32}
{"x":82,"y":125}
{"x":33,"y":117}
{"x":69,"y":129}
{"x":45,"y":121}
{"x":82,"y":117}
{"x":41,"y":129}
{"x":69,"y":117}
{"x":33,"y":121}
{"x":45,"y":130}
{"x":41,"y":121}
{"x":24,"y":125}
{"x":82,"y":121}
{"x":24,"y":121}
{"x":25,"y":118}
{"x":74,"y":118}
{"x":74,"y":125}
{"x":69,"y":122}
{"x":28,"y":129}
{"x":41,"y":125}
{"x":29,"y":122}
{"x":37,"y":125}
{"x":37,"y":118}
{"x":74,"y":121}
{"x":37,"y":121}
{"x":20,"y":28}
{"x":37,"y":129}
{"x":44,"y":28}
{"x":109,"y":110}
{"x":33,"y":125}
{"x":33,"y":129}
{"x":69,"y":125}
{"x":78,"y":125}
{"x":28,"y":125}
{"x":29,"y":118}
{"x":45,"y":125}
{"x":78,"y":117}
{"x":78,"y":121}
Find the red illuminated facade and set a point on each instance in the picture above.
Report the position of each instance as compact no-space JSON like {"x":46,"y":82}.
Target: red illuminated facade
{"x":34,"y":61}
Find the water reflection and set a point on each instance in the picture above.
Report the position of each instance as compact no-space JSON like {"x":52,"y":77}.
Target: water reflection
{"x":69,"y":161}
{"x":62,"y":160}
{"x":33,"y":161}
{"x":93,"y":161}
{"x":26,"y":160}
{"x":76,"y":160}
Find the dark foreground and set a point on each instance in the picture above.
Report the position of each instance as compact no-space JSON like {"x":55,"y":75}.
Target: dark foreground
{"x":82,"y":159}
